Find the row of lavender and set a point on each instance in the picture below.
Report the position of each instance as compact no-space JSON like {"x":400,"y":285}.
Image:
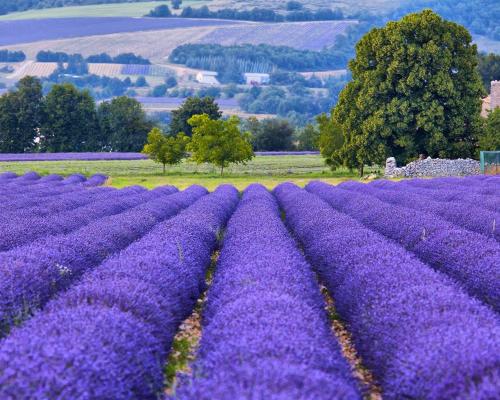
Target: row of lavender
{"x":108,"y":335}
{"x":100,"y":156}
{"x":265,"y":332}
{"x":34,"y":178}
{"x":416,"y":329}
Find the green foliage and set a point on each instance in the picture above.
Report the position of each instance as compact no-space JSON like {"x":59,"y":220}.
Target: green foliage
{"x":256,"y":58}
{"x":479,"y":16}
{"x":161,"y":11}
{"x":489,"y":140}
{"x":165,"y":149}
{"x":271,"y":134}
{"x":12,"y":56}
{"x":104,"y":58}
{"x":70,"y":122}
{"x":219,"y":142}
{"x":415,"y":90}
{"x":124,"y":124}
{"x":159,"y":91}
{"x":308,"y":138}
{"x":176,"y":4}
{"x":294,"y":5}
{"x":192,"y":106}
{"x":21,"y":113}
{"x":141,"y":82}
{"x":330,"y":142}
{"x":489,"y":68}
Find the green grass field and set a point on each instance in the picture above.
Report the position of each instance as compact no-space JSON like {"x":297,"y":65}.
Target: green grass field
{"x":98,"y":10}
{"x":268,"y":170}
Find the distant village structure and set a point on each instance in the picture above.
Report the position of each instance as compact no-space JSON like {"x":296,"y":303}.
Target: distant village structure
{"x":493,"y":100}
{"x":207,"y":77}
{"x":256,"y":79}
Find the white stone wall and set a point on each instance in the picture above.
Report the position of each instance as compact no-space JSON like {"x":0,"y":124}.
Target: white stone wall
{"x":495,"y":95}
{"x":433,"y":167}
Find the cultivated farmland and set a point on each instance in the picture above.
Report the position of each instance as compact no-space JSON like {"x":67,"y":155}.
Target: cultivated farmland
{"x":27,"y":31}
{"x":329,"y":292}
{"x":300,"y":35}
{"x":156,"y":41}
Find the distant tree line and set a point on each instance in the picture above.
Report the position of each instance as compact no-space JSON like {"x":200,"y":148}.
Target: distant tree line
{"x":12,"y":56}
{"x":68,"y":120}
{"x":479,"y":16}
{"x":104,"y":58}
{"x":489,"y":69}
{"x":264,"y":14}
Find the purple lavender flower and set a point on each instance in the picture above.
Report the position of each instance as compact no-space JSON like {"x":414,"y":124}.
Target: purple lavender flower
{"x":469,"y":258}
{"x":108,"y":336}
{"x":474,"y":219}
{"x":31,"y":274}
{"x":265,"y":332}
{"x":417,"y":331}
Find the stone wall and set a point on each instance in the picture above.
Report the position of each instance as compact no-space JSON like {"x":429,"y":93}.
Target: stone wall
{"x":495,"y":95}
{"x":433,"y":167}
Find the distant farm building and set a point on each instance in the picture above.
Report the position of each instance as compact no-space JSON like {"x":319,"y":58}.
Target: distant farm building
{"x":207,"y":77}
{"x":493,"y":100}
{"x":252,"y":78}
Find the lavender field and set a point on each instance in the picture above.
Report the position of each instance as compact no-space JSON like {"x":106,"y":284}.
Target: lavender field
{"x":314,"y":36}
{"x":27,"y":31}
{"x":385,"y":290}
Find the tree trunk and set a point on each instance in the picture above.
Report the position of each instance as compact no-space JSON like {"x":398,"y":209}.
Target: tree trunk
{"x":361,"y":169}
{"x":221,"y":170}
{"x":163,"y":169}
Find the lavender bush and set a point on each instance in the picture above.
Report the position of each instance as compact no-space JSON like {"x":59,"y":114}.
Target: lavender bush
{"x":419,"y":333}
{"x":474,"y":219}
{"x":102,"y":204}
{"x":52,"y":263}
{"x":265,"y":331}
{"x":467,"y":257}
{"x":486,"y":202}
{"x":119,"y":322}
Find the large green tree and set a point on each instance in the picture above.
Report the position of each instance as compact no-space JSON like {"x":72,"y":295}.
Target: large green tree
{"x":124,"y":124}
{"x":415,"y":90}
{"x":219,"y":142}
{"x":70,"y":122}
{"x":193,"y":106}
{"x":20,"y":116}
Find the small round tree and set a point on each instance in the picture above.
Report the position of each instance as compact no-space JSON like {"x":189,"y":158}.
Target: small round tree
{"x":219,"y":142}
{"x":165,"y":149}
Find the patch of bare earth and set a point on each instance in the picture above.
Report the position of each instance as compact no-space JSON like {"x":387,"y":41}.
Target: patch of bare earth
{"x":187,"y":340}
{"x":370,"y":389}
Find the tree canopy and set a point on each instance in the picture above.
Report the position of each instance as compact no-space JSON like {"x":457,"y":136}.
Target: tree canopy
{"x":490,"y":137}
{"x":415,"y":90}
{"x":192,"y":106}
{"x":272,"y":135}
{"x":165,"y":149}
{"x":219,"y":142}
{"x":21,"y":114}
{"x":124,"y":124}
{"x":70,"y":122}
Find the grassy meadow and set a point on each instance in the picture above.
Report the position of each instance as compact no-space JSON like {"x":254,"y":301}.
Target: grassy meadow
{"x":98,"y":10}
{"x":268,"y":170}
